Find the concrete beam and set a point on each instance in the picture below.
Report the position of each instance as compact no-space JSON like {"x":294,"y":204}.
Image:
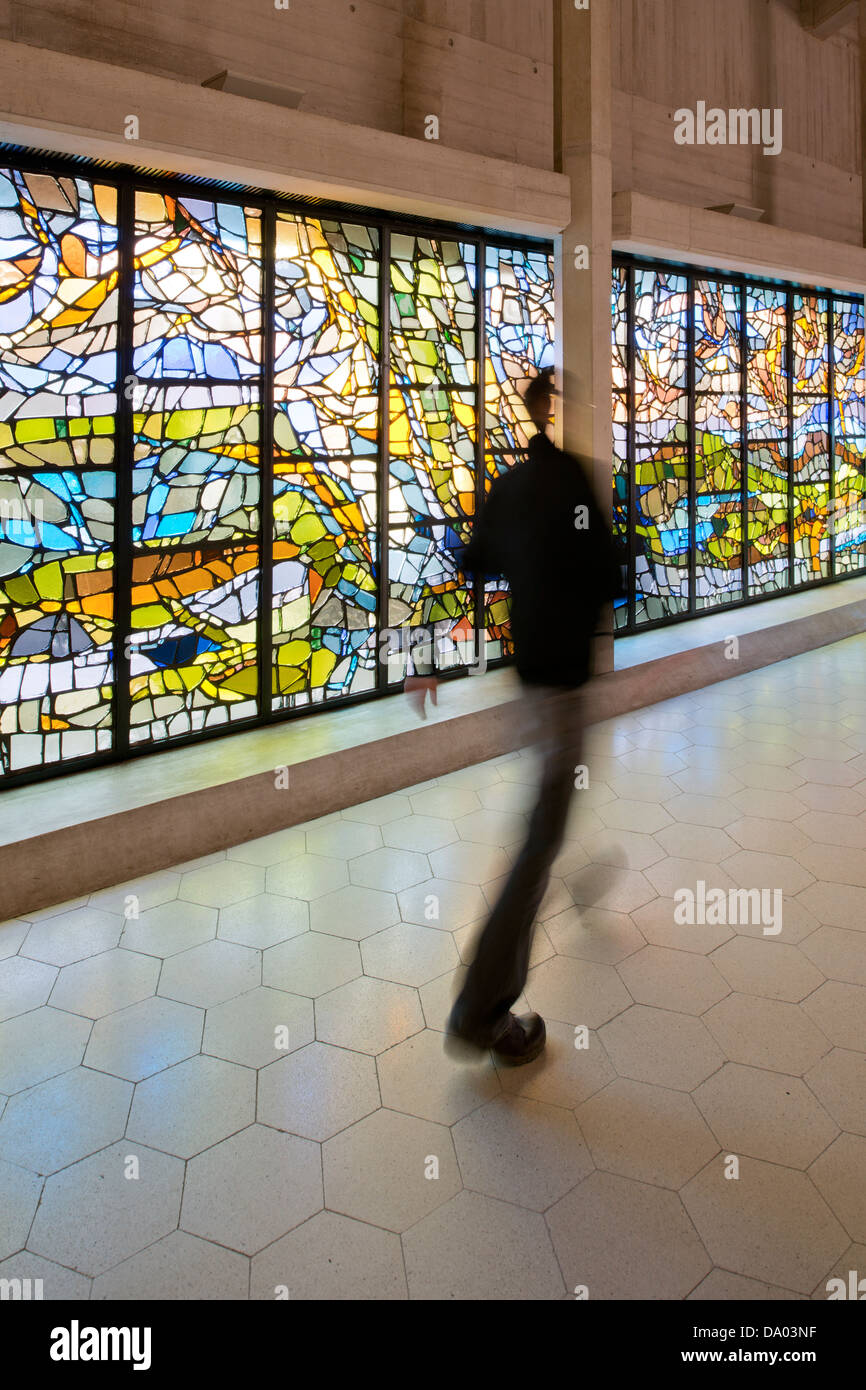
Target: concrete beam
{"x":654,"y":226}
{"x":826,"y":17}
{"x":72,"y":105}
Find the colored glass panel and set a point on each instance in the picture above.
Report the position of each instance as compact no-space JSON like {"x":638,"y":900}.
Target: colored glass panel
{"x":198,"y":289}
{"x":58,"y":367}
{"x":520,"y":329}
{"x":196,"y":467}
{"x":193,"y":651}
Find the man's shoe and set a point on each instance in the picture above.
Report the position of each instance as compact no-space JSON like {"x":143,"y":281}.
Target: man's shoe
{"x":522,"y":1039}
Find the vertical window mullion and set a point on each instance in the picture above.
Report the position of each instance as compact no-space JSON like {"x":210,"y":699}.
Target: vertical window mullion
{"x":123,"y":463}
{"x":266,"y":460}
{"x":744,"y":442}
{"x":692,"y":465}
{"x":831,"y":433}
{"x":789,"y":363}
{"x":384,"y":462}
{"x":631,"y":462}
{"x":479,"y":580}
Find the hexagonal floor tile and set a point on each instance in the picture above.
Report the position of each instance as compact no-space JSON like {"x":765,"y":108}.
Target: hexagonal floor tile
{"x":354,"y":912}
{"x":99,"y":1211}
{"x":249,"y":1190}
{"x":209,"y":974}
{"x":766,"y":1033}
{"x":105,"y":983}
{"x":38,"y":1045}
{"x":837,"y":864}
{"x":672,"y":875}
{"x":447,"y":802}
{"x":421,"y":833}
{"x":679,"y":980}
{"x":603,"y":886}
{"x":24,"y":985}
{"x":839,"y":1082}
{"x":441,"y":903}
{"x":145,"y":1038}
{"x":852,"y":1262}
{"x":720,"y":1286}
{"x":521,"y":1151}
{"x":661,"y":1048}
{"x":72,"y":936}
{"x":12,"y":936}
{"x":379,"y":1170}
{"x":838,"y":954}
{"x":418,"y":1078}
{"x":465,"y":862}
{"x":769,"y":1224}
{"x":344,"y":839}
{"x":674,"y":1140}
{"x":57,"y":1283}
{"x":576,"y":991}
{"x":381,"y":810}
{"x":311,"y":964}
{"x":318,"y":1091}
{"x":839,"y":1010}
{"x":64,"y":1119}
{"x":263,"y":921}
{"x":765,"y":1114}
{"x":656,"y":922}
{"x":770,"y":837}
{"x":170,"y":928}
{"x":769,"y":968}
{"x":838,"y":1176}
{"x":193,"y":1105}
{"x":591,"y":933}
{"x":178,"y":1267}
{"x":270,"y":849}
{"x":488,"y":827}
{"x":139,"y":894}
{"x":219,"y":885}
{"x":438,"y":996}
{"x":475,"y":1247}
{"x":695,"y":808}
{"x":390,"y":870}
{"x":368,"y":1015}
{"x":331,"y":1258}
{"x":409,"y":954}
{"x":258,"y":1027}
{"x":622,"y":1239}
{"x":19,"y":1198}
{"x":307,"y":876}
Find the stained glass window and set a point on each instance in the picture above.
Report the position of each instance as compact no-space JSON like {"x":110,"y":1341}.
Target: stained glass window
{"x":58,"y":341}
{"x":241,"y":448}
{"x":432,"y":431}
{"x":748,"y":437}
{"x":326,"y":444}
{"x":519,"y":310}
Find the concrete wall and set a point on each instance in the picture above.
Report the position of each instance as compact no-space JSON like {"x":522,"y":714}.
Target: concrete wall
{"x":739,"y":53}
{"x":484,"y":69}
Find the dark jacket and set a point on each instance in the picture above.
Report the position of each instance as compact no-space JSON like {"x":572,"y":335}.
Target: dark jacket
{"x":561,"y":564}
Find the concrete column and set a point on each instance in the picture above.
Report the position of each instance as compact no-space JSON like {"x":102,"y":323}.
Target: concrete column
{"x":582,"y":136}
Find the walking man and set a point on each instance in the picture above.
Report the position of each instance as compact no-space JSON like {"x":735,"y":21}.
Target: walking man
{"x":542,"y":529}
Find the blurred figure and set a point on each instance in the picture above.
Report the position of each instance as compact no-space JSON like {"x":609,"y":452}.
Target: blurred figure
{"x":541,"y":528}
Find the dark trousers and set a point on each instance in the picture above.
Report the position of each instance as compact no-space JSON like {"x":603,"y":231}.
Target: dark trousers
{"x":497,"y":975}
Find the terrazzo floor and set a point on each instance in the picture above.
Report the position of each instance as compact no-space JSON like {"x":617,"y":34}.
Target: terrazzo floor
{"x":227,"y":1081}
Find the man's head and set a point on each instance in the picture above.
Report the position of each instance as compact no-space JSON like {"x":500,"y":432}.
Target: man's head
{"x":538,"y":398}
